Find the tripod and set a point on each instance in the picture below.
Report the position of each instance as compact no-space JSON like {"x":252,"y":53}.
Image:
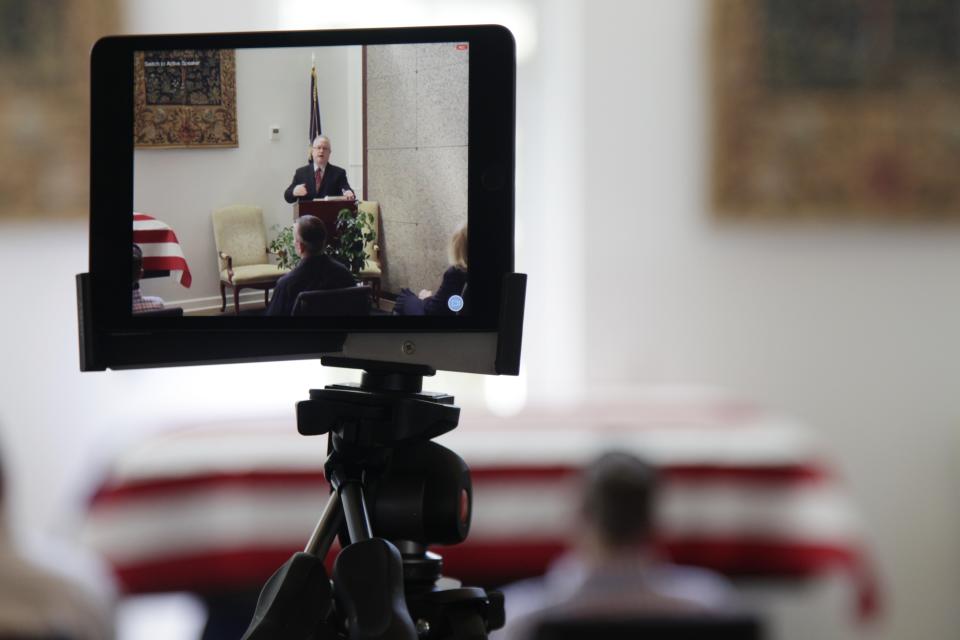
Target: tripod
{"x":394,"y":492}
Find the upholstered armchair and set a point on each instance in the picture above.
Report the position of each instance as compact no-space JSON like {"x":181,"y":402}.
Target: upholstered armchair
{"x":241,"y":241}
{"x":371,"y":267}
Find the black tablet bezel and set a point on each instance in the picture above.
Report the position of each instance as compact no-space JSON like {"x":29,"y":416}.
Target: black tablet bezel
{"x":492,"y":65}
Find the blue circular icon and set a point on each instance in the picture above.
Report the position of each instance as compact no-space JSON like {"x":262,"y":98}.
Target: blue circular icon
{"x":455,"y":303}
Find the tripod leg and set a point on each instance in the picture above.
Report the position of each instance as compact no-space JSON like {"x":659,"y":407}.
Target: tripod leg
{"x":294,"y":603}
{"x":368,"y":586}
{"x":368,"y":577}
{"x":297,"y":599}
{"x":355,"y":512}
{"x":326,"y":530}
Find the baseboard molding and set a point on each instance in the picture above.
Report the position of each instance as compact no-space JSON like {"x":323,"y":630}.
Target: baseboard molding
{"x":210,"y":305}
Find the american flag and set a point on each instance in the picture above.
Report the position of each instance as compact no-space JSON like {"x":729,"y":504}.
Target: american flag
{"x":314,"y":106}
{"x":161,"y":249}
{"x":745,"y":492}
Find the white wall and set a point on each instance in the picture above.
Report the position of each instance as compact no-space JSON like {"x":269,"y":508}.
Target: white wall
{"x":550,"y":201}
{"x":856,"y":329}
{"x":190,"y":16}
{"x":182,"y":186}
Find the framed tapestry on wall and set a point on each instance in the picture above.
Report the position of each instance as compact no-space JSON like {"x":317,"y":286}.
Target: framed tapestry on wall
{"x":842,"y":109}
{"x":44,"y":103}
{"x":185,"y":98}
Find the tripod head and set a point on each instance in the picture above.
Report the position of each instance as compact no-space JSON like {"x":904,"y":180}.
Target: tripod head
{"x":388,"y":408}
{"x":394,"y":492}
{"x":379,"y":436}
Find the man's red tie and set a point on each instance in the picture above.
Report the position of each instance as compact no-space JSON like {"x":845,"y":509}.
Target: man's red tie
{"x":319,"y":177}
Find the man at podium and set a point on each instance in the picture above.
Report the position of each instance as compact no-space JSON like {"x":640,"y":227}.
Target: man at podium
{"x":319,"y":178}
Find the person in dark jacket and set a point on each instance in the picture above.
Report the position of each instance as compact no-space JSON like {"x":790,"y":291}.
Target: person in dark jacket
{"x":613,"y":570}
{"x":450,"y":297}
{"x":319,"y":178}
{"x":315,"y":271}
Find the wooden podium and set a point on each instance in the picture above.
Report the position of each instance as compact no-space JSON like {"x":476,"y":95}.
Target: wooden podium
{"x":327,"y":211}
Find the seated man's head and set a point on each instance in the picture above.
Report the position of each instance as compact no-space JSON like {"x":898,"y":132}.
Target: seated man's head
{"x":617,"y":504}
{"x":137,"y":263}
{"x":309,"y":236}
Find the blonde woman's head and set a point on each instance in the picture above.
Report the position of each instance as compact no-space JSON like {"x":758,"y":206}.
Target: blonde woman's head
{"x":458,"y":248}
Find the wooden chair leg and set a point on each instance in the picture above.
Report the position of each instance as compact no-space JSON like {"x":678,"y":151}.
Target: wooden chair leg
{"x":223,"y":297}
{"x":266,"y":297}
{"x":236,"y":300}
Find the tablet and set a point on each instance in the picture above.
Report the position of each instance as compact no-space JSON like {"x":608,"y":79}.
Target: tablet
{"x":214,"y":237}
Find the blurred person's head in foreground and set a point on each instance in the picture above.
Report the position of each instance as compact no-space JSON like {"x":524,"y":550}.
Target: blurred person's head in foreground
{"x":37,"y":603}
{"x":612,"y":572}
{"x":618,"y":497}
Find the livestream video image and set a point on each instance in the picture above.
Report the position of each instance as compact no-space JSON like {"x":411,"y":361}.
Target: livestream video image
{"x":324,"y":181}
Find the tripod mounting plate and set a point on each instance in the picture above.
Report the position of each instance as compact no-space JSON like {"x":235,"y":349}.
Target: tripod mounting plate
{"x":376,"y":419}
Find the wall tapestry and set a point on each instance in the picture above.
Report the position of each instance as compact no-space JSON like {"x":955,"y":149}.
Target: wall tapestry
{"x":185,"y":98}
{"x":836,"y":108}
{"x":44,"y":103}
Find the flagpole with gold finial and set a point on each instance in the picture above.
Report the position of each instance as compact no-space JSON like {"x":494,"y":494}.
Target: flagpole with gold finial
{"x":314,"y":101}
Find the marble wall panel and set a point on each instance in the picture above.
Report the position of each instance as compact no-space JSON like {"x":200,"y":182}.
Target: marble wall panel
{"x":393,"y":182}
{"x":414,"y":255}
{"x":392,"y":111}
{"x":442,"y":106}
{"x":442,"y":186}
{"x":441,"y":54}
{"x":417,"y":157}
{"x":391,"y":59}
{"x":425,"y":187}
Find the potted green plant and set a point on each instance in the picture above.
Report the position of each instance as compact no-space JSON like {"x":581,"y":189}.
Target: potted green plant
{"x":282,"y":246}
{"x":355,"y":230}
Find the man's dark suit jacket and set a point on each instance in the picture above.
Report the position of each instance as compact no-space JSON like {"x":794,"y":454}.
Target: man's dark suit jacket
{"x":313,"y":273}
{"x":334,"y":183}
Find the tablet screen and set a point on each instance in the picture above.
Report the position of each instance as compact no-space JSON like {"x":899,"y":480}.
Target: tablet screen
{"x":326,"y":180}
